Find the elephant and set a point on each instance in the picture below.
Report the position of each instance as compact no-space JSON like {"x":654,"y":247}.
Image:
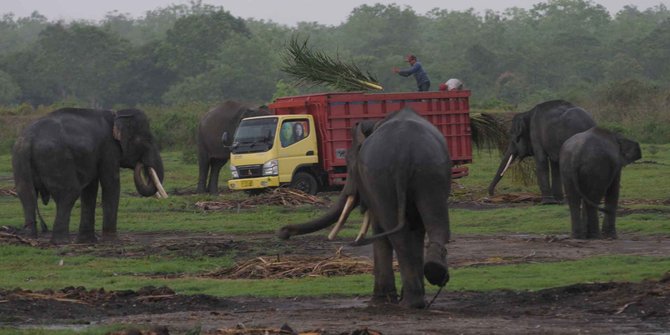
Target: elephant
{"x":540,"y":132}
{"x":399,"y":173}
{"x":67,"y":153}
{"x":213,"y":148}
{"x":591,"y":163}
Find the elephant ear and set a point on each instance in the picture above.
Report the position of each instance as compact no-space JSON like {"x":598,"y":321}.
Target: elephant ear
{"x":362,"y":130}
{"x":520,"y":126}
{"x":128,"y":124}
{"x":120,"y":130}
{"x":630,"y":150}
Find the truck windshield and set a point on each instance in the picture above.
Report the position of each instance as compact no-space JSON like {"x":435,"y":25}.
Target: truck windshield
{"x":255,"y":135}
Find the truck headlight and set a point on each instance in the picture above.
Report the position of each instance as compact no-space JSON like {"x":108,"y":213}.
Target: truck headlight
{"x":271,"y":168}
{"x":233,"y":172}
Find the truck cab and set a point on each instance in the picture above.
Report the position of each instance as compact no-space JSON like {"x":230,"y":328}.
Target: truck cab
{"x":270,"y":151}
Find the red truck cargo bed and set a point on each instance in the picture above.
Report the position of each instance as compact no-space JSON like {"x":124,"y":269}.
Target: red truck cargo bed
{"x":335,"y":114}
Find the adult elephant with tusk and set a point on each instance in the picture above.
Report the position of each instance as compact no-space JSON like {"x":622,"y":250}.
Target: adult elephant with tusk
{"x":540,"y":132}
{"x":68,"y":153}
{"x":215,"y":136}
{"x":399,"y":174}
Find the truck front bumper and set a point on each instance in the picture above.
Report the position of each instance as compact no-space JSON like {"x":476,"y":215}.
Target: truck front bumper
{"x":252,"y":183}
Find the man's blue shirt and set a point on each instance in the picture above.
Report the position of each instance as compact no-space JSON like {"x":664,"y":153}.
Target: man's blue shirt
{"x":418,"y":72}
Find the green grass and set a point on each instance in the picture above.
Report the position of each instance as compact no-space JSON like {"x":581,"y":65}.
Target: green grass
{"x":45,"y":271}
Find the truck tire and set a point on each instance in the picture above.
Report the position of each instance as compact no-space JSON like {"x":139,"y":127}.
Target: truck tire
{"x":305,"y":182}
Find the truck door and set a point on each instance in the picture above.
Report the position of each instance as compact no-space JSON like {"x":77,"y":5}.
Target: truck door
{"x":297,"y":139}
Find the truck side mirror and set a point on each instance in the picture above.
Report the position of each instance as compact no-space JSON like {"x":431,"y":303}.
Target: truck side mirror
{"x":225,"y":138}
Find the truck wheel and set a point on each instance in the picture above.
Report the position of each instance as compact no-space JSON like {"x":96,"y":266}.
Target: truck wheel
{"x":305,"y":182}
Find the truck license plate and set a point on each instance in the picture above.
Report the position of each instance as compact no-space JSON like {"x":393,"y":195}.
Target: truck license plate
{"x":246,"y":183}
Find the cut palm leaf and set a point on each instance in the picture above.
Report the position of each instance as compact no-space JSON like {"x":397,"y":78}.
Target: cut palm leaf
{"x":312,"y":67}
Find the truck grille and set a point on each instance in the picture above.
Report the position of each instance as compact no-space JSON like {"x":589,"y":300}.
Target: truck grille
{"x":250,"y":171}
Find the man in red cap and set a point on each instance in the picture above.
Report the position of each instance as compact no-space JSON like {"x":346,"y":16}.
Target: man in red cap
{"x":422,"y":81}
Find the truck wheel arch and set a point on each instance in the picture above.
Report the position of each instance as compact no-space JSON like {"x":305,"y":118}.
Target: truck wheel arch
{"x":305,"y":178}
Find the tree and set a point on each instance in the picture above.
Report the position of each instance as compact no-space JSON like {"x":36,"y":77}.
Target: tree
{"x":195,"y":40}
{"x":17,"y":34}
{"x":246,"y":72}
{"x":85,"y":60}
{"x":9,"y":90}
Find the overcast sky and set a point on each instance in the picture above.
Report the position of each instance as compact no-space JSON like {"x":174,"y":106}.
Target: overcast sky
{"x":330,"y":12}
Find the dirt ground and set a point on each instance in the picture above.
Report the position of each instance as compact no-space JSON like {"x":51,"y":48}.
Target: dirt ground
{"x":589,"y":308}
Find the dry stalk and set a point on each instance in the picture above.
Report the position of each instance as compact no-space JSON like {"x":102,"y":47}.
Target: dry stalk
{"x":277,"y":197}
{"x":261,"y":268}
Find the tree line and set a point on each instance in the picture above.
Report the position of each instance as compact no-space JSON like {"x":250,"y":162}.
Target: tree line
{"x":181,"y":54}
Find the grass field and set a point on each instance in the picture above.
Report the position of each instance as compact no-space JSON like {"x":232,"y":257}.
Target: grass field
{"x":645,"y":185}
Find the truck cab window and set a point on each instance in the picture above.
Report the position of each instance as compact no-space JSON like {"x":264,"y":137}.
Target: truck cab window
{"x":255,"y":135}
{"x":293,"y":131}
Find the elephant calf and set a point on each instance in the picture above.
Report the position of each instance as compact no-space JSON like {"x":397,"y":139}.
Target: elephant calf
{"x":591,"y":163}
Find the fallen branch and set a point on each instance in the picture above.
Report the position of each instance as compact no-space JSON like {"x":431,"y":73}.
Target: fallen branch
{"x":18,"y":238}
{"x":8,"y":192}
{"x":624,"y":307}
{"x":261,"y":268}
{"x":278,"y":197}
{"x":38,"y":296}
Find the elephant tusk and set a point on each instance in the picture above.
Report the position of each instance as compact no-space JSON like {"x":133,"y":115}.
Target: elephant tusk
{"x":343,"y":217}
{"x":365,"y":226}
{"x":511,"y":158}
{"x":154,"y":177}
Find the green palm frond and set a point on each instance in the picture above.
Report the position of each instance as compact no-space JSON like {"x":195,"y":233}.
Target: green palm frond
{"x":313,"y":67}
{"x":488,"y":132}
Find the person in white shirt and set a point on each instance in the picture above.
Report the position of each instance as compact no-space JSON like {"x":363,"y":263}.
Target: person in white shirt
{"x":452,"y":84}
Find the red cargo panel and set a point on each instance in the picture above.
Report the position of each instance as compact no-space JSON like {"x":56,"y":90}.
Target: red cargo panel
{"x":336,"y":113}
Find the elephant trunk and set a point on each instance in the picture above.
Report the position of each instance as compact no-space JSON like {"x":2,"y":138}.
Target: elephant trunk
{"x":341,"y":210}
{"x":502,"y":168}
{"x":148,"y":180}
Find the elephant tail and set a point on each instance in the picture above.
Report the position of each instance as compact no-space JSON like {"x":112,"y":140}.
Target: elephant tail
{"x":401,"y":197}
{"x":45,"y":196}
{"x":39,"y":215}
{"x":589,"y":201}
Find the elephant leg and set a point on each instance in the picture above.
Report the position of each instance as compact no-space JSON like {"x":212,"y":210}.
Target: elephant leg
{"x":611,"y":204}
{"x":408,"y":246}
{"x":87,"y":221}
{"x":203,"y":170}
{"x":575,"y":204}
{"x":111,"y":191}
{"x":556,"y":185}
{"x":29,"y":203}
{"x":61,"y":230}
{"x":435,"y":217}
{"x":213,"y":186}
{"x":384,"y":287}
{"x":542,"y":173}
{"x":591,"y":217}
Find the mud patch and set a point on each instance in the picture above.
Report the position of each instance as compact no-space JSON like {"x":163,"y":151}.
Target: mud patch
{"x":599,"y":308}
